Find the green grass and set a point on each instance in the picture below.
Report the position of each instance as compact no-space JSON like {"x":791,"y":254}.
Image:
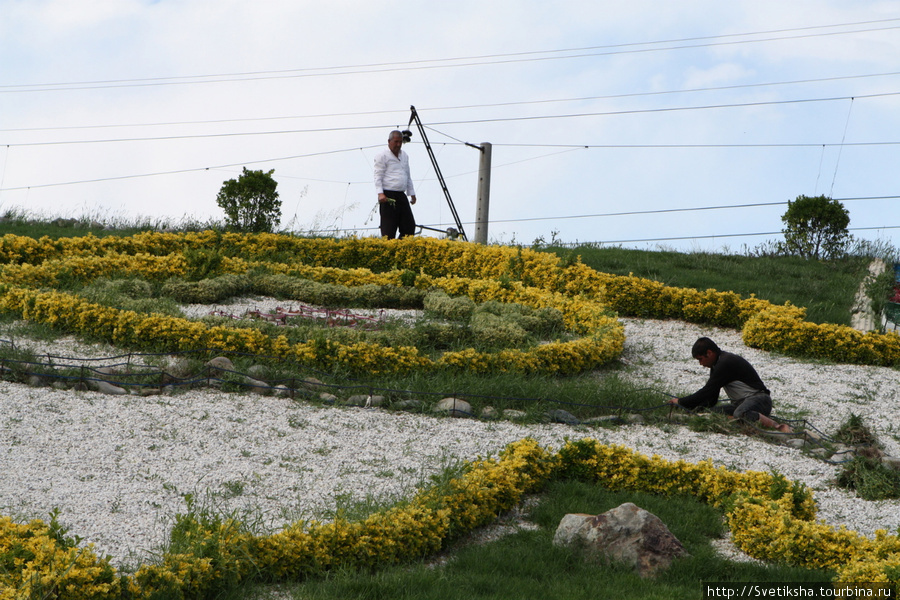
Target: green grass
{"x":584,"y":397}
{"x":19,"y":222}
{"x":527,"y":565}
{"x":826,"y":289}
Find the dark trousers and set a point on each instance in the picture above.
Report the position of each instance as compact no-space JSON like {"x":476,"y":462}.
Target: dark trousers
{"x":749,"y":408}
{"x":396,"y":215}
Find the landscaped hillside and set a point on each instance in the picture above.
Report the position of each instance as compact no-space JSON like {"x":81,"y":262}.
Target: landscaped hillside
{"x":122,"y":291}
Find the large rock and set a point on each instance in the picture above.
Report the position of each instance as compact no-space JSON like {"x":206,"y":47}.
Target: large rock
{"x":559,"y":415}
{"x":365,"y":400}
{"x":514,"y":415}
{"x":219,"y":363}
{"x":258,"y":387}
{"x":105,"y":387}
{"x":453,"y":407}
{"x":626,"y":534}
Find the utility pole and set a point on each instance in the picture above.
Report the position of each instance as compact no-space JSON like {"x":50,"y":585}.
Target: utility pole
{"x":484,"y":193}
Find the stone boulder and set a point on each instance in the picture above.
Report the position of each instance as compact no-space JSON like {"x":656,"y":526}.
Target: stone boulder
{"x":514,"y":415}
{"x":453,"y":407}
{"x":105,"y":387}
{"x":559,"y":415}
{"x":489,"y":413}
{"x":257,"y":386}
{"x":311,"y":384}
{"x":627,"y":534}
{"x":365,"y":401}
{"x":219,"y":363}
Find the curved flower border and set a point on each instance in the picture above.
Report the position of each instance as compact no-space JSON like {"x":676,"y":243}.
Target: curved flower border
{"x":770,"y":517}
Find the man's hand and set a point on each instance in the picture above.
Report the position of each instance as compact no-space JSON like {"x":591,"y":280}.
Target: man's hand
{"x":673,"y":401}
{"x":412,"y":199}
{"x":382,"y":198}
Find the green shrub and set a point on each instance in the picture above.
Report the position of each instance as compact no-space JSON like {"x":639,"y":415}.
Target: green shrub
{"x":544,"y":322}
{"x":443,"y":336}
{"x":129,"y":294}
{"x":494,"y":331}
{"x":331,"y":294}
{"x":209,"y":290}
{"x":440,"y":304}
{"x":111,"y":291}
{"x":202,"y":262}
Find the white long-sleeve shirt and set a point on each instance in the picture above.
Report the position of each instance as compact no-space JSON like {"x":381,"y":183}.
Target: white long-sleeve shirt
{"x":392,"y":173}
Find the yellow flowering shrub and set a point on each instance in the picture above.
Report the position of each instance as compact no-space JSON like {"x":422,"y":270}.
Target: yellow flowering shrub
{"x":604,"y":342}
{"x":618,"y":467}
{"x":87,"y":268}
{"x":383,"y":262}
{"x":783,"y":331}
{"x":414,"y":529}
{"x":864,"y":569}
{"x":770,"y":519}
{"x":765,"y":529}
{"x":34,"y":564}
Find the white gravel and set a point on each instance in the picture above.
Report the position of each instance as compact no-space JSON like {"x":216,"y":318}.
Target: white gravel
{"x":118,"y":467}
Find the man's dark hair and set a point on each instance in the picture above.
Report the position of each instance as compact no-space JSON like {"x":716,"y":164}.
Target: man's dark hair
{"x":704,"y":345}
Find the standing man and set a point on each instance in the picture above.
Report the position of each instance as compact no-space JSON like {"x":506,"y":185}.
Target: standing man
{"x":393,"y":183}
{"x":750,"y":399}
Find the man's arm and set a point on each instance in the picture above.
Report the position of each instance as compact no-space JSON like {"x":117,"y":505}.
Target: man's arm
{"x":380,"y":168}
{"x":727,"y":369}
{"x":708,"y":395}
{"x":410,"y":190}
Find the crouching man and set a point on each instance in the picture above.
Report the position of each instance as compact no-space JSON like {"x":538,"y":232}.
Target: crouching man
{"x":750,"y":399}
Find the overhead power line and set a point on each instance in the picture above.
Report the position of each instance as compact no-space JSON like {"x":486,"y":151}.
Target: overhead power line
{"x":462,"y":122}
{"x":676,"y":210}
{"x":457,"y":107}
{"x":462,"y":61}
{"x":714,"y":236}
{"x":181,"y":171}
{"x":622,"y":241}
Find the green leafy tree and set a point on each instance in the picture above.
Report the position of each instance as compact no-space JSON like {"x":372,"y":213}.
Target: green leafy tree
{"x":251,"y":202}
{"x":816,"y":227}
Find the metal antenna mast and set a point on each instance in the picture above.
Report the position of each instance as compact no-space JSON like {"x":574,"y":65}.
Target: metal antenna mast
{"x":415,"y":117}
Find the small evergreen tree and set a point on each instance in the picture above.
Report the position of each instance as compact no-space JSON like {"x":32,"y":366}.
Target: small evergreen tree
{"x":816,"y":227}
{"x":251,"y":202}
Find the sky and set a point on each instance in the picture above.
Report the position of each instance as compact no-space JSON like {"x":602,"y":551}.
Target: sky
{"x":677,"y":125}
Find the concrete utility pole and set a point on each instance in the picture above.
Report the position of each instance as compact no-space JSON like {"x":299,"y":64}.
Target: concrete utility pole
{"x":484,"y":194}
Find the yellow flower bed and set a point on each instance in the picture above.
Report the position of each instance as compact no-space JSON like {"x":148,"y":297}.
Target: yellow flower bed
{"x":777,"y":330}
{"x":336,"y":259}
{"x":34,"y":564}
{"x":603,"y":342}
{"x":158,"y":332}
{"x":770,"y":519}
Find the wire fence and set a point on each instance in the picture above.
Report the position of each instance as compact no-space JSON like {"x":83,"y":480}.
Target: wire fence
{"x":133,"y":373}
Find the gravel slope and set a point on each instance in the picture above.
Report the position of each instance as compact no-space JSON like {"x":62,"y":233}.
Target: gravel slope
{"x":118,"y":467}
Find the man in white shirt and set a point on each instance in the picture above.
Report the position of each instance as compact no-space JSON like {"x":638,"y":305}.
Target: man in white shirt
{"x":393,"y":183}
